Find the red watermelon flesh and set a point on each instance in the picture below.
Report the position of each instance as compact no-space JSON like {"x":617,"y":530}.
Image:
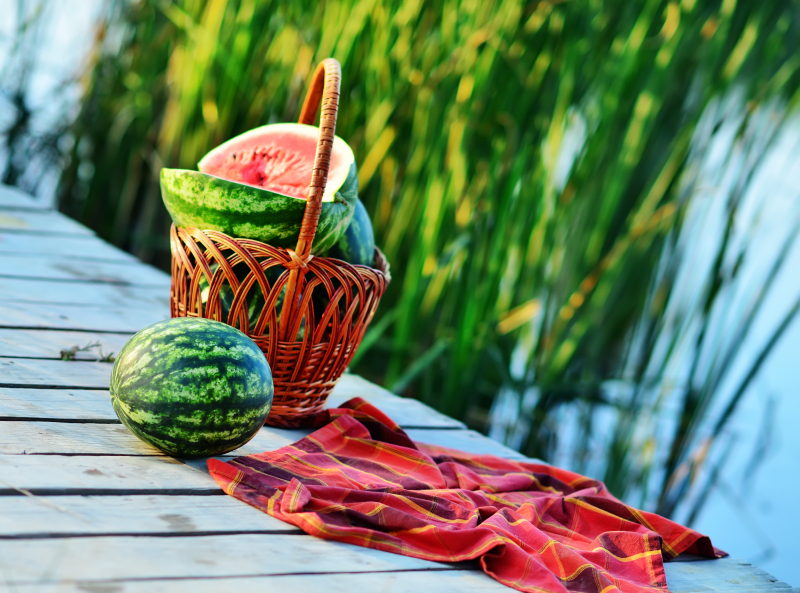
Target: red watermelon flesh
{"x":277,"y":157}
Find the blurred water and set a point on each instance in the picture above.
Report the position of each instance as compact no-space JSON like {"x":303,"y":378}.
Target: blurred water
{"x":750,"y":512}
{"x":754,"y":515}
{"x":45,"y":65}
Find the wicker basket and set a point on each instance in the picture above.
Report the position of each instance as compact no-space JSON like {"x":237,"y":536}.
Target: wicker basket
{"x":308,"y":314}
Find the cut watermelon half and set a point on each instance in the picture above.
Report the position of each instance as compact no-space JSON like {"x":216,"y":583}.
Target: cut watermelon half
{"x":280,"y":158}
{"x":255,"y":187}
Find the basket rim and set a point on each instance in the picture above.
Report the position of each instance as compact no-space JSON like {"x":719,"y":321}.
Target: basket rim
{"x":381,"y":266}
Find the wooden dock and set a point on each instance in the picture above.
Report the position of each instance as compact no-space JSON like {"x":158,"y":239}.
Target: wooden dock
{"x":86,"y":507}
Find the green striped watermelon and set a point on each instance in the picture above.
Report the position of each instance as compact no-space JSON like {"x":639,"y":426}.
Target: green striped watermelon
{"x":255,"y":186}
{"x":192,"y":387}
{"x":357,"y":245}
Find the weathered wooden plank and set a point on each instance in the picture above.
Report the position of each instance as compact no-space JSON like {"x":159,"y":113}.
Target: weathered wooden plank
{"x":55,"y":404}
{"x":47,"y":222}
{"x":405,"y":411}
{"x":406,"y":581}
{"x":73,"y":246}
{"x":74,"y":438}
{"x":35,"y":292}
{"x":42,"y":343}
{"x":50,"y":474}
{"x":72,"y":404}
{"x":29,"y":517}
{"x":465,"y":581}
{"x":730,"y":575}
{"x":218,"y":572}
{"x":97,"y":318}
{"x":70,"y":438}
{"x":102,"y":558}
{"x":401,"y":581}
{"x":412,"y":581}
{"x":13,"y":198}
{"x":23,"y":372}
{"x":42,"y":267}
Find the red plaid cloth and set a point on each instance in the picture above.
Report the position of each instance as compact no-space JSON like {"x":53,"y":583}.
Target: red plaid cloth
{"x":361,"y":479}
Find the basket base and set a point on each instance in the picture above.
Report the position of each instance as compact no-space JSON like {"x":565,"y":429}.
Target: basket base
{"x":293,"y":410}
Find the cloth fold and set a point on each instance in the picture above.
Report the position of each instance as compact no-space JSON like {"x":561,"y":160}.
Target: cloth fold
{"x":360,"y":479}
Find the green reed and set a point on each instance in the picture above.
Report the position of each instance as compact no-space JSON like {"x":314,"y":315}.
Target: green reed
{"x":524,"y":163}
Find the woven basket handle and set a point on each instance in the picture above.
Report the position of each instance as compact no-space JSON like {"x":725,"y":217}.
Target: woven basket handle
{"x":324,"y":91}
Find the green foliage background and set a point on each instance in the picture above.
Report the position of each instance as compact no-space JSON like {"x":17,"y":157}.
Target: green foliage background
{"x":526,"y":167}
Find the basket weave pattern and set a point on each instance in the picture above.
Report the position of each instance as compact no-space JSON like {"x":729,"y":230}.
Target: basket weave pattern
{"x":307,"y":314}
{"x":337,"y":303}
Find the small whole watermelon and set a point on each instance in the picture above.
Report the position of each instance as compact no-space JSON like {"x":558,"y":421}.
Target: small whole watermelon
{"x":192,"y":387}
{"x":357,"y":245}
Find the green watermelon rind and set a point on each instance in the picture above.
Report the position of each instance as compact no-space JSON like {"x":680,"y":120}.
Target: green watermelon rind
{"x":357,"y":245}
{"x":192,"y":387}
{"x":199,"y":200}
